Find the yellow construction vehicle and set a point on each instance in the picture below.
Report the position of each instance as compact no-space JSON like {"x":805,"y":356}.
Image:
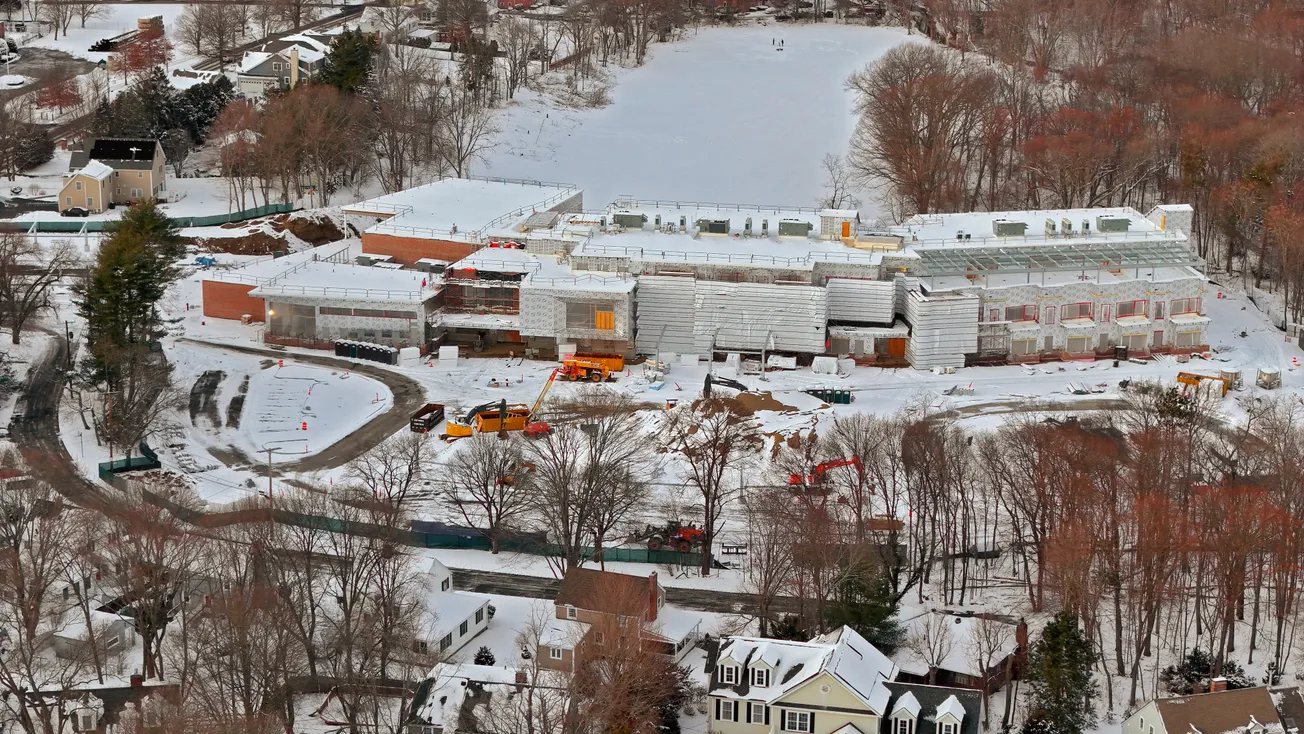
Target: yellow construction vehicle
{"x":582,"y":369}
{"x":1194,"y":379}
{"x":489,"y":418}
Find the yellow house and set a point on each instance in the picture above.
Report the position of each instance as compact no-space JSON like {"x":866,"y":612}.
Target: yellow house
{"x":136,"y":171}
{"x":87,"y":188}
{"x":823,"y":686}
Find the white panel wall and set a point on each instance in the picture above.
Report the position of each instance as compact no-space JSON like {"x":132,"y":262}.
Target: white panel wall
{"x":744,"y":315}
{"x":543,"y":312}
{"x":665,"y":314}
{"x":861,"y":301}
{"x":943,"y":329}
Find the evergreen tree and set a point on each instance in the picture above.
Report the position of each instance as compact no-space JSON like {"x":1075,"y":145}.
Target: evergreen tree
{"x":119,"y":298}
{"x":865,"y":603}
{"x":196,"y":108}
{"x":484,"y":656}
{"x":349,"y":63}
{"x":1193,"y":674}
{"x":1059,"y":674}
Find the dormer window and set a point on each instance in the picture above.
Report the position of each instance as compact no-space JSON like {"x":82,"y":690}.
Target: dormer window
{"x":949,"y":728}
{"x":86,"y":720}
{"x":729,"y":674}
{"x":761,"y":679}
{"x":571,"y":613}
{"x":903,"y":725}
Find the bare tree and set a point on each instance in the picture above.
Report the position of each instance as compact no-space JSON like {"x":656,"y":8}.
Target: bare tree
{"x":393,"y":470}
{"x":769,"y":550}
{"x":837,"y":185}
{"x":91,"y":10}
{"x":988,"y":639}
{"x":932,"y":641}
{"x":488,"y":484}
{"x":466,"y":132}
{"x":713,"y":440}
{"x":58,"y":14}
{"x":519,"y":42}
{"x":28,"y":274}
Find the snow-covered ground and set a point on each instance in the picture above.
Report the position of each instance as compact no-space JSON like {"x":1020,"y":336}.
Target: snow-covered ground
{"x":118,"y":18}
{"x":723,"y":116}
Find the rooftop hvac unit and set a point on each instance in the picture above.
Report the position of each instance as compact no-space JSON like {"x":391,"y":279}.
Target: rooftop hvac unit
{"x":1086,"y":226}
{"x":765,"y":228}
{"x":629,"y":221}
{"x":1112,"y":223}
{"x":1007,"y":228}
{"x":1066,"y":226}
{"x":794,"y":228}
{"x":1050,"y":227}
{"x":713,"y":226}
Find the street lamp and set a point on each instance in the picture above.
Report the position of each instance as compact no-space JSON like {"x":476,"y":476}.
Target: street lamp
{"x":270,"y":450}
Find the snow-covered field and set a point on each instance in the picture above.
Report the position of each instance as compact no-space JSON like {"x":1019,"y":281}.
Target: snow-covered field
{"x":301,"y":409}
{"x":118,"y":19}
{"x":723,"y":115}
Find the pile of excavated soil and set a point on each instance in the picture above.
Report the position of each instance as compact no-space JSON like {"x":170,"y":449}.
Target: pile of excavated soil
{"x":753,"y":402}
{"x":254,"y":243}
{"x":315,"y":229}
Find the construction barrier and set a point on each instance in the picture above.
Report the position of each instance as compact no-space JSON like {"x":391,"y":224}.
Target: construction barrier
{"x":74,"y":225}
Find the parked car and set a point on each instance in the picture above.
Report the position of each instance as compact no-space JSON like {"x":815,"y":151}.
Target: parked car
{"x":75,"y":211}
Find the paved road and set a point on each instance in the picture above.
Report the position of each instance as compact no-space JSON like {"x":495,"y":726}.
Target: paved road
{"x":706,"y":600}
{"x":408,"y":396}
{"x":37,"y":435}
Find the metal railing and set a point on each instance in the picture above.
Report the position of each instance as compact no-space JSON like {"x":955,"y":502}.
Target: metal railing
{"x":1073,"y":239}
{"x":626,"y":201}
{"x":340,"y":292}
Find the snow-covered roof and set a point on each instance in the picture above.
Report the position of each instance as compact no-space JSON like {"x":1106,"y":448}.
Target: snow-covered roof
{"x":562,"y":632}
{"x":95,"y":170}
{"x":252,"y":59}
{"x":973,"y":228}
{"x":796,"y":253}
{"x":498,"y":260}
{"x":906,"y":704}
{"x":460,"y":209}
{"x":961,"y":630}
{"x":307,"y":42}
{"x":448,"y":683}
{"x":451,"y":608}
{"x":675,"y":624}
{"x":842,"y":653}
{"x":950,"y":706}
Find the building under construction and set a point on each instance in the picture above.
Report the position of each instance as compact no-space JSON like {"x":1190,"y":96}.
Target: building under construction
{"x":522,"y":264}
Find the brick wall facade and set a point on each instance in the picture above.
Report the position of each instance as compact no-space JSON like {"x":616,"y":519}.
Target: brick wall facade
{"x":407,"y":250}
{"x":231,"y":301}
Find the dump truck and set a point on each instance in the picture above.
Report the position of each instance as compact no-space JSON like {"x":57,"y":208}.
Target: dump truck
{"x":427,"y":417}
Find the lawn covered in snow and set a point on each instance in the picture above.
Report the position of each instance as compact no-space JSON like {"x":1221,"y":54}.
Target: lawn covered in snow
{"x":118,"y":18}
{"x":720,"y":116}
{"x":331,"y":404}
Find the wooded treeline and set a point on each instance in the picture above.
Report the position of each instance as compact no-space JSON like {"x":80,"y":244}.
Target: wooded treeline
{"x":1034,"y":104}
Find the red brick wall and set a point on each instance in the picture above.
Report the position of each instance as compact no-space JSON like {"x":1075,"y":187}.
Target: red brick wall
{"x":407,"y":250}
{"x":231,"y":301}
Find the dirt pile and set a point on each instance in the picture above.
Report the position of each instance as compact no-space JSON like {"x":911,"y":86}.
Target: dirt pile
{"x":315,"y":229}
{"x":254,"y":243}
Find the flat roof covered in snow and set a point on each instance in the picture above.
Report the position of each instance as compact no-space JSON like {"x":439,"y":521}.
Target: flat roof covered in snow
{"x":1051,"y":255}
{"x":463,"y":209}
{"x":346,"y":281}
{"x":692,"y":211}
{"x":771,"y":251}
{"x":975,"y":228}
{"x":1058,"y":278}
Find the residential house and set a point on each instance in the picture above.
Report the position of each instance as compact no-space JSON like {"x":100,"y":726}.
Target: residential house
{"x":113,"y":635}
{"x":593,"y":605}
{"x":921,"y":709}
{"x":959,"y":669}
{"x":114,"y":171}
{"x":445,"y":702}
{"x":1245,"y":711}
{"x":459,"y":615}
{"x":836,"y":683}
{"x":282,"y":64}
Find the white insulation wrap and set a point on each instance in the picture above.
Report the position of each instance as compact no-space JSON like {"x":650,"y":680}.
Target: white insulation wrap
{"x":755,"y":316}
{"x":665,"y":314}
{"x":945,"y":328}
{"x":861,"y":301}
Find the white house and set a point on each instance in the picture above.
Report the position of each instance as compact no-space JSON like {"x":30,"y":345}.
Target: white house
{"x":455,"y":616}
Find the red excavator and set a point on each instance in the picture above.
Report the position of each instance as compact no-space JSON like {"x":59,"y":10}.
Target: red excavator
{"x":675,"y":534}
{"x":821,"y":469}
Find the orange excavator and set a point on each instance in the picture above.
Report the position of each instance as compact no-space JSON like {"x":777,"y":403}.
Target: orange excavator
{"x":822,"y":468}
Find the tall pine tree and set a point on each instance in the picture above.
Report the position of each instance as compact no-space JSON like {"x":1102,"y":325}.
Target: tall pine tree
{"x":1059,"y":674}
{"x":348,"y":65}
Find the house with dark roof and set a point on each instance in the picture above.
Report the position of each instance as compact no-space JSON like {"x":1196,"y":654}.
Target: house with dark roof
{"x":1243,"y":711}
{"x":915,"y":708}
{"x":282,"y":63}
{"x":108,"y":171}
{"x":593,"y":606}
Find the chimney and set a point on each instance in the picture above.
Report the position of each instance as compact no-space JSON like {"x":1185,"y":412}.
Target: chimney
{"x":1218,"y":684}
{"x":520,"y":678}
{"x":652,"y":597}
{"x":137,"y":680}
{"x":294,"y":66}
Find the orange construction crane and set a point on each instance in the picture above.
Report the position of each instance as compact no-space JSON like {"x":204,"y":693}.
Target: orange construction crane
{"x":822,"y":468}
{"x":1194,"y":379}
